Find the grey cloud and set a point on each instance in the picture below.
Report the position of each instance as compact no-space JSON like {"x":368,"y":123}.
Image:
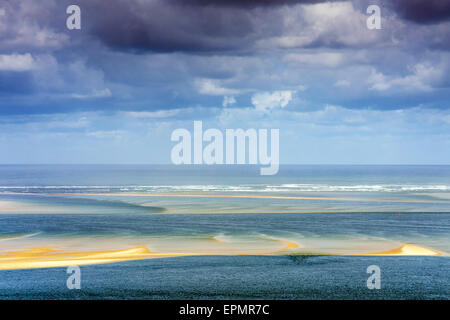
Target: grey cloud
{"x":236,"y":45}
{"x":194,"y":26}
{"x":239,"y":27}
{"x":165,"y":26}
{"x":27,"y":25}
{"x":246,"y":3}
{"x":423,"y":11}
{"x":206,"y":27}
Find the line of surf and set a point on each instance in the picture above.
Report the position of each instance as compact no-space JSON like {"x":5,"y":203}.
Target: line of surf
{"x":8,"y":238}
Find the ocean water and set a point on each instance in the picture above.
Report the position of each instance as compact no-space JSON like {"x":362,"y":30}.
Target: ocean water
{"x":302,"y":234}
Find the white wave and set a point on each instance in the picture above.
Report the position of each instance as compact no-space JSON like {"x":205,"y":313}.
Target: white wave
{"x":222,"y":238}
{"x":238,"y":188}
{"x":20,"y":237}
{"x":355,"y":188}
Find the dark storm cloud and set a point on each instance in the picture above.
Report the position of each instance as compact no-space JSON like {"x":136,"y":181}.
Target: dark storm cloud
{"x":423,"y":11}
{"x":169,"y":26}
{"x":188,"y":26}
{"x":245,"y":3}
{"x":228,"y":26}
{"x":160,"y":27}
{"x":194,"y":26}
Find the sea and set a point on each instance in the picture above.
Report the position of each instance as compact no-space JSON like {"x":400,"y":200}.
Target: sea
{"x":306,"y":233}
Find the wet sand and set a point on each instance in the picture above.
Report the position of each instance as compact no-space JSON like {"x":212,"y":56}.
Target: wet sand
{"x":243,"y":196}
{"x":407,"y":250}
{"x":51,"y":257}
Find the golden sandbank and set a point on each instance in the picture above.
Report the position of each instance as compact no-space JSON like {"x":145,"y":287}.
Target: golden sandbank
{"x":51,"y":257}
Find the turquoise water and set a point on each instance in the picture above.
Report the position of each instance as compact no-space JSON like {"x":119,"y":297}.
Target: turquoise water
{"x":325,"y":209}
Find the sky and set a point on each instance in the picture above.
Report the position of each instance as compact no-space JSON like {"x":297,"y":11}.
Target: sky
{"x":114,"y":91}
